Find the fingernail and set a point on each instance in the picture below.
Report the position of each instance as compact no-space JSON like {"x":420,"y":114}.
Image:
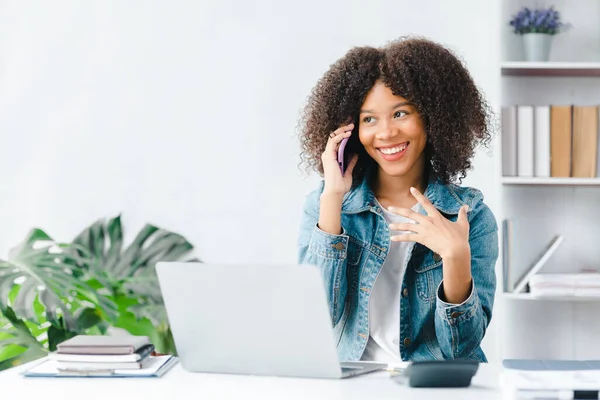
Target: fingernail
{"x":412,"y":189}
{"x":391,"y":208}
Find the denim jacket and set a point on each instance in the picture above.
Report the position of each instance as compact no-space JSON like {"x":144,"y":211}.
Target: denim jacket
{"x":430,"y":328}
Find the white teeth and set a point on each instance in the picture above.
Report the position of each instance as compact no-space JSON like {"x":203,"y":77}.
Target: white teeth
{"x":393,"y":150}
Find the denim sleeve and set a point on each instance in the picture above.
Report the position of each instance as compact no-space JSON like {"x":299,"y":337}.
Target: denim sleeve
{"x":460,"y":328}
{"x":328,"y":253}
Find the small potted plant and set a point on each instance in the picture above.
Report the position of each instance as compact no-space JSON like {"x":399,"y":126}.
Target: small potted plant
{"x":537,"y":28}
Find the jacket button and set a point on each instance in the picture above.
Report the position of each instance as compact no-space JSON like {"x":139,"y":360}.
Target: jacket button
{"x":338,"y":246}
{"x":405,"y":292}
{"x":407,"y":341}
{"x":455,"y":314}
{"x":436,"y":257}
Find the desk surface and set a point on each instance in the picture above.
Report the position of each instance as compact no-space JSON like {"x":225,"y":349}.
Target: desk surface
{"x":180,"y":384}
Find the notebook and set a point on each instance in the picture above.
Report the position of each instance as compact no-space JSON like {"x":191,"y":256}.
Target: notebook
{"x":138,"y":355}
{"x":154,"y":368}
{"x":101,"y":344}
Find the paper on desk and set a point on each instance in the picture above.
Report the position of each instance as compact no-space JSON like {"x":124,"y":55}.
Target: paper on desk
{"x":152,"y":368}
{"x":553,"y":380}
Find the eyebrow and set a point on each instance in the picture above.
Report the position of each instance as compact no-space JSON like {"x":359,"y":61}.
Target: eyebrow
{"x":403,"y":103}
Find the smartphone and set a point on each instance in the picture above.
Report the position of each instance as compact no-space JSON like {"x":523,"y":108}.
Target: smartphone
{"x":345,"y":151}
{"x":342,"y":157}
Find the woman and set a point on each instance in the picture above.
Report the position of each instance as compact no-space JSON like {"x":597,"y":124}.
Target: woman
{"x":406,"y":254}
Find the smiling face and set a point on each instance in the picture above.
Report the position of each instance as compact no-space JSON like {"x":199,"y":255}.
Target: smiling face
{"x":392,"y":133}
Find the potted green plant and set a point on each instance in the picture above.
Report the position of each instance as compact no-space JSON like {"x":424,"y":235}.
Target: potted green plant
{"x":537,"y":27}
{"x":51,"y":291}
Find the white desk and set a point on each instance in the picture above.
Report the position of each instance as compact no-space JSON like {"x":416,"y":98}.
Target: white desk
{"x":180,"y":384}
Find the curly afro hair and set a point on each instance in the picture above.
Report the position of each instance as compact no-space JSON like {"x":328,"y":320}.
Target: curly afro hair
{"x":455,"y":114}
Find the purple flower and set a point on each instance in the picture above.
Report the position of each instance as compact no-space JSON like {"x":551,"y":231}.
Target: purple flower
{"x":540,"y":20}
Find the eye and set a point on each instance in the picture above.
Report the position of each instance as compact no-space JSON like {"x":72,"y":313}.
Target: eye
{"x":399,"y":114}
{"x":368,"y":120}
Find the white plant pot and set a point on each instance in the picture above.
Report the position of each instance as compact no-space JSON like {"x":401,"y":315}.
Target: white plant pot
{"x":536,"y":46}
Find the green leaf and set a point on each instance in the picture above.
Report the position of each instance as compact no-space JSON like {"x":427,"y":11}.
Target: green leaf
{"x":17,"y":344}
{"x":38,"y":268}
{"x":57,"y":335}
{"x":21,"y":358}
{"x":86,"y":318}
{"x":131,"y":255}
{"x":130,"y":270}
{"x":115,"y":234}
{"x":156,"y":313}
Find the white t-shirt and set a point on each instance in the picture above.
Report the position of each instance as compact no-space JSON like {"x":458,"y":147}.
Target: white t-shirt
{"x":384,"y":305}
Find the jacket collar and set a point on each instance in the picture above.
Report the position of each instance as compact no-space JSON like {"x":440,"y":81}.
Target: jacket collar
{"x":443,"y":197}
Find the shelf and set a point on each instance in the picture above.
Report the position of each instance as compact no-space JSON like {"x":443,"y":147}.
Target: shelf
{"x":574,"y":69}
{"x":517,"y":180}
{"x":529,"y":297}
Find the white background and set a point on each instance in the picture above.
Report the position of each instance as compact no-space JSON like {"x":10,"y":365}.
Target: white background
{"x":184,"y":113}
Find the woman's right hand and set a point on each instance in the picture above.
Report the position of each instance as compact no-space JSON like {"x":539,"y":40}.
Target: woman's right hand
{"x":335,"y":183}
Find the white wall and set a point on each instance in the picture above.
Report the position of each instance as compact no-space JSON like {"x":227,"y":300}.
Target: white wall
{"x":183,"y":114}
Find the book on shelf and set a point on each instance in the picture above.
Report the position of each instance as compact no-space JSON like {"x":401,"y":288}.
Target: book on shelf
{"x":580,"y":284}
{"x":553,"y":140}
{"x":560,"y":141}
{"x":506,"y":254}
{"x":585,"y":144}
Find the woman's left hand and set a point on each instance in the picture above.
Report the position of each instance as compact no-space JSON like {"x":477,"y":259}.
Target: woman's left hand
{"x":449,"y":239}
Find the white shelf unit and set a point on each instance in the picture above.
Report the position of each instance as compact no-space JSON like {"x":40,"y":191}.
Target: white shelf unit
{"x":564,"y":327}
{"x":516,"y":180}
{"x":566,"y":69}
{"x":530,"y":297}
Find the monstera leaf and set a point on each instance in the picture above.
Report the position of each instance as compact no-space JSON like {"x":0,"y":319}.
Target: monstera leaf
{"x":40,"y":269}
{"x":129,"y":271}
{"x":17,"y":343}
{"x":113,"y":264}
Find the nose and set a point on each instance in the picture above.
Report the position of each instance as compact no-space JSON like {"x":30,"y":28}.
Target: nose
{"x":386,"y":130}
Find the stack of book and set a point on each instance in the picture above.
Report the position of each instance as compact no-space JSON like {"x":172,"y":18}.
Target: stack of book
{"x":102,"y":353}
{"x":578,"y":284}
{"x":552,"y":140}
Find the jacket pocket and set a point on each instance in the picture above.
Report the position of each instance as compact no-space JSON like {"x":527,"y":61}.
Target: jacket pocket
{"x":355,"y":249}
{"x":428,"y":268}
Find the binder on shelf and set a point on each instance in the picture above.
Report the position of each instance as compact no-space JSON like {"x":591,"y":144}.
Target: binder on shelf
{"x":506,"y":255}
{"x":560,"y":140}
{"x":585,"y":141}
{"x":509,"y":141}
{"x":541,"y":141}
{"x":525,"y":141}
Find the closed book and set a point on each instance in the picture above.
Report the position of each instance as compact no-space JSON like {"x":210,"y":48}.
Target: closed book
{"x":506,"y":254}
{"x":525,"y":141}
{"x":542,"y":142}
{"x":560,"y":140}
{"x":509,"y":141}
{"x":100,"y":344}
{"x":598,"y":148}
{"x":142,"y":353}
{"x":585,"y":141}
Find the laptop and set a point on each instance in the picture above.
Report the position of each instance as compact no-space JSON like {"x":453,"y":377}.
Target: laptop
{"x":253,"y":319}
